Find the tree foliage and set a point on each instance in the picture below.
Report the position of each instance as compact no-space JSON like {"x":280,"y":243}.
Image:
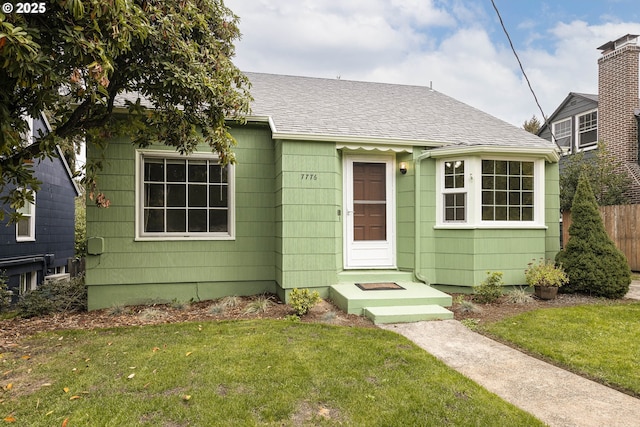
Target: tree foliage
{"x":591,"y":260}
{"x":532,"y":125}
{"x":171,"y":57}
{"x":603,"y":171}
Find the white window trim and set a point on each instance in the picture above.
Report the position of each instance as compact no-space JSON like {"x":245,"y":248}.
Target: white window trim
{"x":458,"y":190}
{"x":139,"y":204}
{"x":28,"y":285}
{"x":473,"y":184}
{"x":592,"y":145}
{"x":554,"y":136}
{"x":32,"y":223}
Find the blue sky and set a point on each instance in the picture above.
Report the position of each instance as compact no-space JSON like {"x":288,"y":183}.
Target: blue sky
{"x":456,"y":45}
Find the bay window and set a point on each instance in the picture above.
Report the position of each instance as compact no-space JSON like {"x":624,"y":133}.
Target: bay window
{"x":481,"y":192}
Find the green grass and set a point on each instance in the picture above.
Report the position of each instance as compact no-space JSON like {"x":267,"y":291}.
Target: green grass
{"x":599,"y":341}
{"x":245,"y":373}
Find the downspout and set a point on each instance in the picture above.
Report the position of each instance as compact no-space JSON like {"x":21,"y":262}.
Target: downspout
{"x":416,"y":171}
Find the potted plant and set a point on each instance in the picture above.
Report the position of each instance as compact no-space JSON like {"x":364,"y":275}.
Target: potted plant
{"x":545,"y":277}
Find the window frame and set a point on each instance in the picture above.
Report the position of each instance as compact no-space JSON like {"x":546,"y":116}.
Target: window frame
{"x":556,"y":138}
{"x":578,"y":132}
{"x":473,"y":180}
{"x":141,"y":235}
{"x":31,"y":215}
{"x":28,"y":281}
{"x":455,"y":190}
{"x":508,"y":176}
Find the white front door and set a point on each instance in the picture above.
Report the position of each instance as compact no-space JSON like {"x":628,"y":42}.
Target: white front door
{"x":369,"y":206}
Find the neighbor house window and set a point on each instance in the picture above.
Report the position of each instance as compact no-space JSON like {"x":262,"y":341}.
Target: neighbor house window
{"x":562,"y":133}
{"x":587,"y":129}
{"x":28,"y":281}
{"x":507,"y":190}
{"x":185,"y":197}
{"x":454,"y":192}
{"x":26,"y":226}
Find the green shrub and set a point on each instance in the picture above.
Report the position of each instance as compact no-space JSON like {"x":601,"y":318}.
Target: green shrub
{"x":81,"y":227}
{"x":518,"y":296}
{"x":260,"y":304}
{"x":490,"y":289}
{"x":55,"y":296}
{"x":465,"y":306}
{"x":5,"y":293}
{"x":591,"y":260}
{"x":545,"y":273}
{"x":301,"y":300}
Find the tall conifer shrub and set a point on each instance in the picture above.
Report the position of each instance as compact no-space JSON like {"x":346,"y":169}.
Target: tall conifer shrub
{"x":591,"y":260}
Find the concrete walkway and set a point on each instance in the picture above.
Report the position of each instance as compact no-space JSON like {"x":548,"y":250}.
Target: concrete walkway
{"x":553,"y":395}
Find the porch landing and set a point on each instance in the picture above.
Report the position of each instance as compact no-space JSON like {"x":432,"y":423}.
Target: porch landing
{"x":415,"y":302}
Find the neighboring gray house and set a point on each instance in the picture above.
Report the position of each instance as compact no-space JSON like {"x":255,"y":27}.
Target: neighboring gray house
{"x":41,"y":243}
{"x":574,"y":124}
{"x":611,"y":116}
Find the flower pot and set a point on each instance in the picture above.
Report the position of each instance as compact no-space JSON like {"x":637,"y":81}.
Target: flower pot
{"x":546,"y":292}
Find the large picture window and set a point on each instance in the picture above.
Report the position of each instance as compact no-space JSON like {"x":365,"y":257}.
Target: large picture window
{"x":185,"y":197}
{"x":507,"y":190}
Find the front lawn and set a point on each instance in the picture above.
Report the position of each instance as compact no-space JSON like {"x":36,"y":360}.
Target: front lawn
{"x":242,"y":373}
{"x":600,"y":341}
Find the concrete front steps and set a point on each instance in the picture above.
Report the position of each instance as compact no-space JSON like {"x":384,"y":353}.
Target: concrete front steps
{"x":414,"y":303}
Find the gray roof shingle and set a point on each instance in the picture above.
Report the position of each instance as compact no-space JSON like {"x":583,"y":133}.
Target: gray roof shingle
{"x":343,"y":108}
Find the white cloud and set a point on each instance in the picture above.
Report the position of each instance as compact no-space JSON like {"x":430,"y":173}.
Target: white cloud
{"x":454,"y":44}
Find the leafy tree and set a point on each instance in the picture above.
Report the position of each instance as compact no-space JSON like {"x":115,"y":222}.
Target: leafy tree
{"x":80,"y":245}
{"x":171,"y":57}
{"x":532,"y":125}
{"x":603,"y":172}
{"x":591,"y":260}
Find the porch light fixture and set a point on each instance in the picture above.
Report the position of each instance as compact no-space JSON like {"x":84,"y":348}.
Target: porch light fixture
{"x":403,"y":168}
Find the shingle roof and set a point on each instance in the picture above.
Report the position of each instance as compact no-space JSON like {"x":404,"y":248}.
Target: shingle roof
{"x":342,"y":108}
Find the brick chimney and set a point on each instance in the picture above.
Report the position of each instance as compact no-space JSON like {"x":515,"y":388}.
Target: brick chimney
{"x":619,"y":102}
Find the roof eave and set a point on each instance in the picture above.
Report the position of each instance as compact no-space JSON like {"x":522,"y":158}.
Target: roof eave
{"x":550,"y":154}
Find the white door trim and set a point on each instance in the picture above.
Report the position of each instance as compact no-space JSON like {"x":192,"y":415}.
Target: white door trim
{"x":369,"y":254}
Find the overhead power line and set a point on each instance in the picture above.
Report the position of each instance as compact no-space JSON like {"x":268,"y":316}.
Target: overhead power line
{"x":513,"y":49}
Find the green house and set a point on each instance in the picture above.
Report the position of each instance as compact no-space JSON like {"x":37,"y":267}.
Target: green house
{"x":336,"y":182}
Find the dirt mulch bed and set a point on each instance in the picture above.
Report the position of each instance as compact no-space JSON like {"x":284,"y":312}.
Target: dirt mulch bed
{"x":13,"y":330}
{"x":489,"y":313}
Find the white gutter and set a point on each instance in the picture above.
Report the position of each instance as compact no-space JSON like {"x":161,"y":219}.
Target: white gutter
{"x":550,"y":154}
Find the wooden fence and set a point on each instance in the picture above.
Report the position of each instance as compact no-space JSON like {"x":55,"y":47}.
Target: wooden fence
{"x":622,"y":223}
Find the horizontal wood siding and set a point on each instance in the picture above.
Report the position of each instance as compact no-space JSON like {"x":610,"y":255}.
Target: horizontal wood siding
{"x":192,"y":268}
{"x":54,"y":216}
{"x":462,"y":257}
{"x":552,"y":209}
{"x":622,"y":223}
{"x":307,"y":204}
{"x":405,"y":203}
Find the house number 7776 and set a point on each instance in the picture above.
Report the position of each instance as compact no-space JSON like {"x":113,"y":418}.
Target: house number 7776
{"x":309,"y":176}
